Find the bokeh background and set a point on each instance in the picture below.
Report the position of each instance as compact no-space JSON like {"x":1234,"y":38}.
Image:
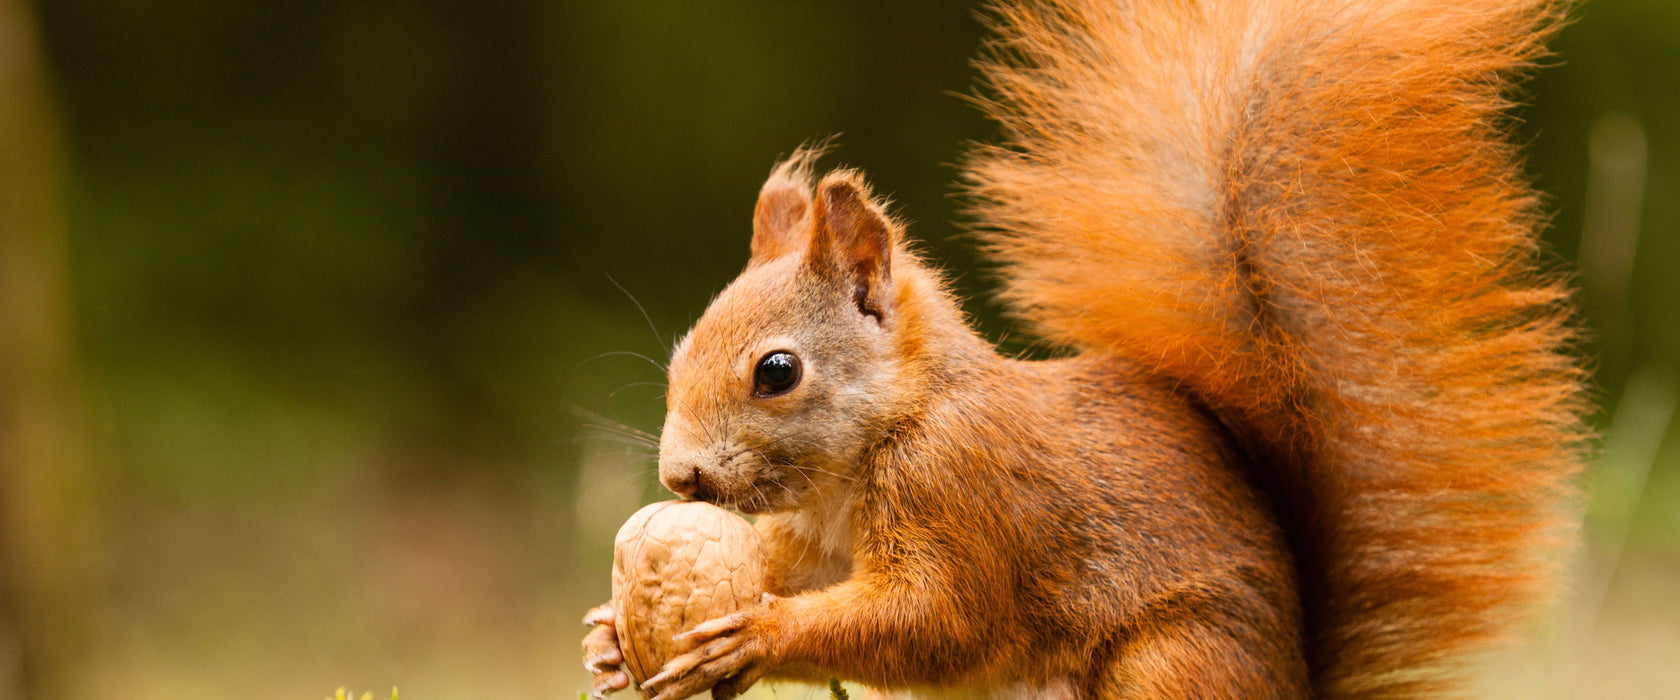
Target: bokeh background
{"x":306,"y":313}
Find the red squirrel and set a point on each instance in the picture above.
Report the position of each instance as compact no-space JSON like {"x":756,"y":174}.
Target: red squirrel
{"x":1316,"y":431}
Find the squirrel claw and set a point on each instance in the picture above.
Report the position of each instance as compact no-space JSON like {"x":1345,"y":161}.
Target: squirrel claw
{"x":609,"y":683}
{"x":731,"y":653}
{"x":599,"y":615}
{"x":601,"y":653}
{"x":713,"y":628}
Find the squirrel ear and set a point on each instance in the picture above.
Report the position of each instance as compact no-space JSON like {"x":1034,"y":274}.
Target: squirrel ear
{"x":780,"y":220}
{"x":853,"y":237}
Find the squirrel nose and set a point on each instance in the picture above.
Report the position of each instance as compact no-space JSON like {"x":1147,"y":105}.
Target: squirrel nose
{"x":683,"y":482}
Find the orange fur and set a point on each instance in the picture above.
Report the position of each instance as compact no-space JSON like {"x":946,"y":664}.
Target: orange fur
{"x":1319,"y":429}
{"x":1307,"y":212}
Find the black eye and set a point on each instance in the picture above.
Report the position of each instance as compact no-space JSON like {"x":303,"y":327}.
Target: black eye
{"x":776,"y":374}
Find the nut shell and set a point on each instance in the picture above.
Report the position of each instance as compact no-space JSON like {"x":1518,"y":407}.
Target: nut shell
{"x":677,"y":564}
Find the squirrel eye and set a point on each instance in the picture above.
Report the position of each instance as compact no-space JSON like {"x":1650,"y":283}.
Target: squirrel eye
{"x":776,"y":374}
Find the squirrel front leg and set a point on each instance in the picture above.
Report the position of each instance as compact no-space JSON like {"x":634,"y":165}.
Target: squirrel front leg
{"x":913,"y":625}
{"x":892,"y":631}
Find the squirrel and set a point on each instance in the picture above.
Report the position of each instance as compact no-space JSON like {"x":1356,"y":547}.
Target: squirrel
{"x":1316,"y":430}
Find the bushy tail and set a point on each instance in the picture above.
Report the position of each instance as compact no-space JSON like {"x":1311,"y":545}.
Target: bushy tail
{"x":1309,"y":213}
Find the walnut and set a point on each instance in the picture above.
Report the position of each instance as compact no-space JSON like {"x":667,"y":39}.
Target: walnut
{"x":677,"y":564}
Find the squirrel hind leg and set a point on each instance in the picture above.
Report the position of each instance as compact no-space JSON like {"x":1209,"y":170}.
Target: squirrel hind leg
{"x":1201,"y":658}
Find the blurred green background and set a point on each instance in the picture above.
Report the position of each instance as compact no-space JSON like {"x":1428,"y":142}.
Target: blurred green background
{"x":303,"y":308}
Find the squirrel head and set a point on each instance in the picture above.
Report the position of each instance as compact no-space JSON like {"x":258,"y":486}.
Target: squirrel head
{"x":797,"y":367}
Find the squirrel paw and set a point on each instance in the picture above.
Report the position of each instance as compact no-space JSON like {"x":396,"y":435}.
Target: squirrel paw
{"x":601,"y":655}
{"x":730,"y":654}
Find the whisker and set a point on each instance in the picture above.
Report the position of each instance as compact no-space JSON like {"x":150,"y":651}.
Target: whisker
{"x":614,"y":432}
{"x":631,"y":353}
{"x":626,"y":432}
{"x":789,"y":491}
{"x":837,"y":475}
{"x":639,"y":307}
{"x":705,"y":427}
{"x":763,"y":445}
{"x":618,"y":438}
{"x":582,"y":412}
{"x":805,"y":546}
{"x":689,"y":431}
{"x":814,"y":490}
{"x":615,"y":392}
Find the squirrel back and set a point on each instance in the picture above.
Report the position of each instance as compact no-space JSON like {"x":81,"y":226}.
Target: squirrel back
{"x":1309,"y":214}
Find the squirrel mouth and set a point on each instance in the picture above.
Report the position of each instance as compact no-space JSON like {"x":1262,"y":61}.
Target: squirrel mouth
{"x":755,"y":501}
{"x":744,"y":485}
{"x":751,"y":503}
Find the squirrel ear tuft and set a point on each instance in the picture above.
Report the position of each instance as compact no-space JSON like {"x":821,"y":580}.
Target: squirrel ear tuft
{"x":855,"y":238}
{"x":781,"y":220}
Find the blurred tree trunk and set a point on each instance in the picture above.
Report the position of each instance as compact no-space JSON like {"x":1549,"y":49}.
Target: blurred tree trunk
{"x":46,"y":536}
